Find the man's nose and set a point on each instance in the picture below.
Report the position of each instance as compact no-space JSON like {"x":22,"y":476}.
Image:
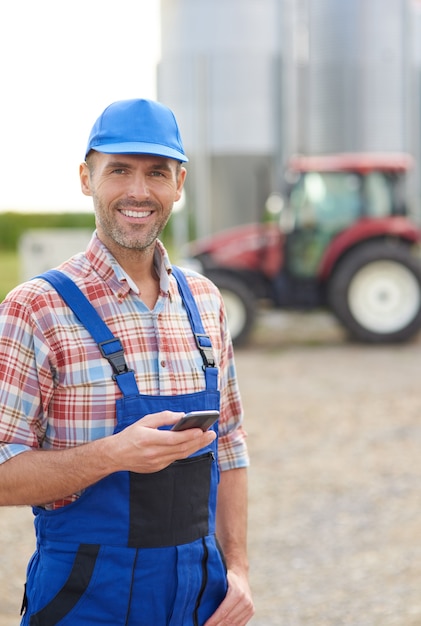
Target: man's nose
{"x":139,"y":187}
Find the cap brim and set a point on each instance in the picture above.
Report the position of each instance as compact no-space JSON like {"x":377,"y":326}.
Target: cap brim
{"x":140,"y":148}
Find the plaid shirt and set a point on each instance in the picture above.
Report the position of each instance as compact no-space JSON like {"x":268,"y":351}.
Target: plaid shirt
{"x":56,"y":391}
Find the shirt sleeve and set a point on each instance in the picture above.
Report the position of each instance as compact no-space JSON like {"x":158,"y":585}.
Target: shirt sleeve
{"x":25,"y":376}
{"x":232,"y":449}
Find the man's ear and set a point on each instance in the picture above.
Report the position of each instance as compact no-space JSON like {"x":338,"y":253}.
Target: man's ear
{"x":180,"y":182}
{"x":85,"y":180}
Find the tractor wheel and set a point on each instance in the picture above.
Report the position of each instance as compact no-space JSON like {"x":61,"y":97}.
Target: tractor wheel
{"x":376,"y":292}
{"x":240,"y":305}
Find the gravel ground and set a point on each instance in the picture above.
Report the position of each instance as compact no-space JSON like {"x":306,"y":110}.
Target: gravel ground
{"x":335,"y":504}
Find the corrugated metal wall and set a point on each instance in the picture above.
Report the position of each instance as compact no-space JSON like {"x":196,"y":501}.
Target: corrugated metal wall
{"x":352,"y":75}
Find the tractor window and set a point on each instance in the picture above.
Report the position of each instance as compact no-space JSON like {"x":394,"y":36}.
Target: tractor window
{"x":330,"y":201}
{"x":378,"y":200}
{"x":321,"y":204}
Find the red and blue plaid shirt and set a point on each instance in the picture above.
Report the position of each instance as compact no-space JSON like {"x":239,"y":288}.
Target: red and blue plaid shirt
{"x":56,"y":391}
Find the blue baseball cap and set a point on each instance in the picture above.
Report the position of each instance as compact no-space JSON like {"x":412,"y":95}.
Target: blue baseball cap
{"x":137,"y":127}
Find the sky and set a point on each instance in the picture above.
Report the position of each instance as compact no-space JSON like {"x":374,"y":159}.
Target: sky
{"x":61,"y":64}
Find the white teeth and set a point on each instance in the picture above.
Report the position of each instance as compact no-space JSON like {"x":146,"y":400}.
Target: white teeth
{"x":136,"y":213}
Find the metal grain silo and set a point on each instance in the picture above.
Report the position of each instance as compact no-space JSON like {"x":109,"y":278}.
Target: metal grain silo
{"x":351,"y":64}
{"x":218,"y":72}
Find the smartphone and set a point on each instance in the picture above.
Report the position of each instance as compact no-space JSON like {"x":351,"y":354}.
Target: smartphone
{"x":197,"y":419}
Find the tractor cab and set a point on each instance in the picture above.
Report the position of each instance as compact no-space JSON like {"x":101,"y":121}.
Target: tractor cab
{"x":329,"y":194}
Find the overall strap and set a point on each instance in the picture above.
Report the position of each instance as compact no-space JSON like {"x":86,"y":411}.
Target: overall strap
{"x":203,"y":341}
{"x":110,"y":347}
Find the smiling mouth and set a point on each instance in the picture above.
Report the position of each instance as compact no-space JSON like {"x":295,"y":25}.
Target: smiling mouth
{"x":138,"y":214}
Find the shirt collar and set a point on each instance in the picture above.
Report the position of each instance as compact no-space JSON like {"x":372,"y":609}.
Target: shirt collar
{"x":111,"y":271}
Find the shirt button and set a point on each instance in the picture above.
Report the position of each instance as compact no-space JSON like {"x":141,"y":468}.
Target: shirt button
{"x":163,"y":364}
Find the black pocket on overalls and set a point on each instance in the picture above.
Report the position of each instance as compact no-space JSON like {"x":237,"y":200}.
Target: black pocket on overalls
{"x":170,"y":507}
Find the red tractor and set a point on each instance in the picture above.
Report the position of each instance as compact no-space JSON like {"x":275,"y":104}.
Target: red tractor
{"x":343,"y":241}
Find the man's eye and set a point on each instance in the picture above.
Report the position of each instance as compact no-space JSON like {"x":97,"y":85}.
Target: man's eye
{"x":119,"y":170}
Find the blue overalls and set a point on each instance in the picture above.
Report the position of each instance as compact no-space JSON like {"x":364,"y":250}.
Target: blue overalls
{"x":134,"y":549}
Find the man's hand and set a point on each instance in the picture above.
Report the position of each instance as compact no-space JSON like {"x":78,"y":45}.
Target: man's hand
{"x":237,"y":607}
{"x":143,"y":448}
{"x":231,"y":529}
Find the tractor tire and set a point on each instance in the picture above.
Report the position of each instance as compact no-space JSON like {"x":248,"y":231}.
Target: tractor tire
{"x":376,"y":292}
{"x":240,"y":305}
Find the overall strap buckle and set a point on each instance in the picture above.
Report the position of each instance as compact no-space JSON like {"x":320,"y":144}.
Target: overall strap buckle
{"x":204,"y":345}
{"x":113,"y":351}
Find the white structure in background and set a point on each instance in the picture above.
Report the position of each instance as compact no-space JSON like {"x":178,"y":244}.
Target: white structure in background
{"x":43,"y":249}
{"x":254,"y":81}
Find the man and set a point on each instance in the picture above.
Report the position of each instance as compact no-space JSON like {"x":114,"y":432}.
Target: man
{"x":129,"y":515}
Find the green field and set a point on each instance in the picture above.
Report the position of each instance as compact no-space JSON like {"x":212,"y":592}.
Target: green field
{"x":9,"y":272}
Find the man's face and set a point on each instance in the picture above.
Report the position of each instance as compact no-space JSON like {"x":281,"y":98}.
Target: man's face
{"x":133,"y":196}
